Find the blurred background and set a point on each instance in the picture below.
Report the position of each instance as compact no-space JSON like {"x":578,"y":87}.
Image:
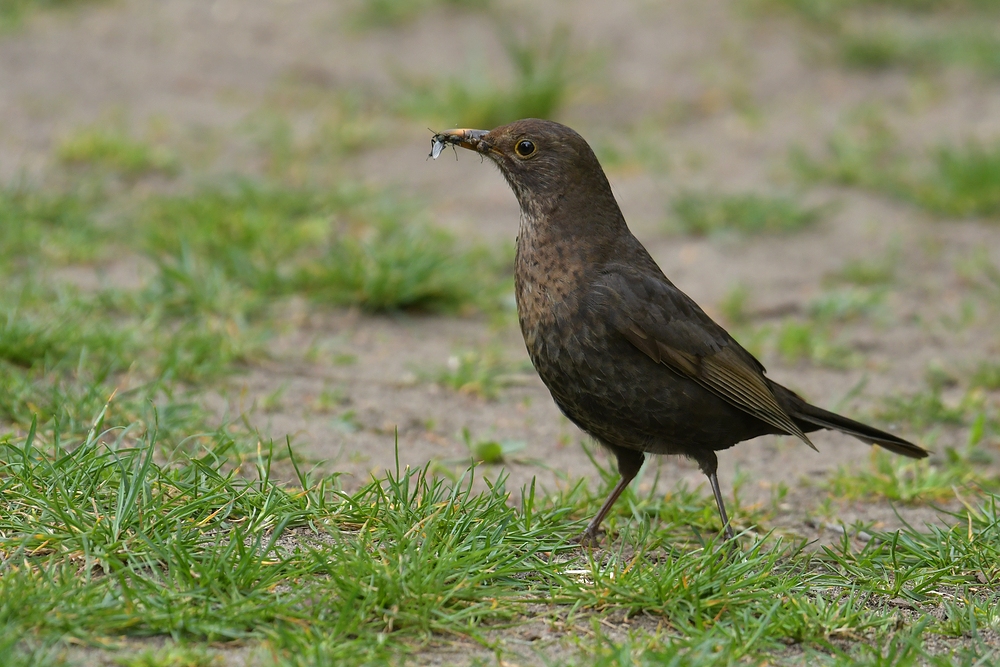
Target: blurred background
{"x":225,"y":254}
{"x":224,"y":209}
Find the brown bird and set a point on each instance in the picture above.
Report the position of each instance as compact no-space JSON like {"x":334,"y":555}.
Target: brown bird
{"x":627,"y":356}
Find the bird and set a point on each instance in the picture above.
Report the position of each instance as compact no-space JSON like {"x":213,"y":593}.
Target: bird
{"x":626,"y":355}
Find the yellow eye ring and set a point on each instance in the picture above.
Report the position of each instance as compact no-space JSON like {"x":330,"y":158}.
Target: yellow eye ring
{"x":525,"y":148}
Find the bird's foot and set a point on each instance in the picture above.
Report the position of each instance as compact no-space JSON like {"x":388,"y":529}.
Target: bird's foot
{"x":587,"y":539}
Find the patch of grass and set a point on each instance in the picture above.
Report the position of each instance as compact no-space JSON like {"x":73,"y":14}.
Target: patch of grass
{"x":924,"y":35}
{"x":690,"y":586}
{"x":883,"y":48}
{"x":638,"y":147}
{"x":877,"y":272}
{"x":832,"y":13}
{"x":987,"y":376}
{"x":222,"y":256}
{"x":189,"y":285}
{"x":195,"y":331}
{"x":480,"y":372}
{"x":114,"y":150}
{"x":844,"y":305}
{"x":341,"y":124}
{"x":829,"y":613}
{"x":20,"y":649}
{"x":923,"y":409}
{"x":962,"y":181}
{"x":347,"y":247}
{"x":542,"y":72}
{"x":350,"y":128}
{"x":63,"y":403}
{"x":734,"y":305}
{"x":246,"y":232}
{"x":864,"y":154}
{"x":125,"y":518}
{"x":980,"y":272}
{"x":924,"y":561}
{"x":60,"y":340}
{"x":951,"y":181}
{"x":387,"y":13}
{"x":907,"y":480}
{"x":949,"y":468}
{"x":488,"y":451}
{"x":64,"y":353}
{"x":200,"y":552}
{"x":806,"y":341}
{"x":13,"y":12}
{"x":201,"y":351}
{"x":48,"y":226}
{"x":171,"y":656}
{"x":702,"y":214}
{"x":394,"y":266}
{"x":919,"y":35}
{"x":938,"y":377}
{"x":56,"y":361}
{"x":331,"y":399}
{"x":273,"y":135}
{"x":816,"y":338}
{"x":100,"y":539}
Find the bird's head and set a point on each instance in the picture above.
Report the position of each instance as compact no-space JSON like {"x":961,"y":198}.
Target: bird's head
{"x":547,"y":165}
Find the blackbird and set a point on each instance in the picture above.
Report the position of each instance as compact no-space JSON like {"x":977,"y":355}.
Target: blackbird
{"x":627,"y":356}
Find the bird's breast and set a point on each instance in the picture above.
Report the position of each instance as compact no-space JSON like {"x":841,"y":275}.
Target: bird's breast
{"x":547,"y":278}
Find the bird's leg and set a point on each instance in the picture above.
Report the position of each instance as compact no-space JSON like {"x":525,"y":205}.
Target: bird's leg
{"x":713,"y":479}
{"x":629,"y":462}
{"x":589,"y":536}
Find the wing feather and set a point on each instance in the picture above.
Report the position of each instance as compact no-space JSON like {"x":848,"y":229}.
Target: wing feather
{"x":672,"y":330}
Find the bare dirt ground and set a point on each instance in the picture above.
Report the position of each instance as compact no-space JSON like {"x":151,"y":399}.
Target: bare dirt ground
{"x":202,"y":67}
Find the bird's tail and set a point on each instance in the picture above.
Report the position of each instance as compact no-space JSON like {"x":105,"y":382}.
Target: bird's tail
{"x":811,"y":418}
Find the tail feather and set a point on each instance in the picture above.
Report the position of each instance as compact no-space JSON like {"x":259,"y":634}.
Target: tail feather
{"x":811,"y":418}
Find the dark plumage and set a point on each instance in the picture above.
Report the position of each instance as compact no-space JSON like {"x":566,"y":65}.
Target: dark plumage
{"x":627,"y":356}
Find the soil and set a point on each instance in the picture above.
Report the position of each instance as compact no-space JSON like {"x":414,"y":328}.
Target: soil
{"x":729,"y":94}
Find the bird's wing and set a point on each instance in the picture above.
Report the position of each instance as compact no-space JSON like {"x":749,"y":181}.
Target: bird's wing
{"x":671,"y":329}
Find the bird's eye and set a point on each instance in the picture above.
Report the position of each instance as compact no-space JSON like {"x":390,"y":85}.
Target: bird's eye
{"x":524,"y":148}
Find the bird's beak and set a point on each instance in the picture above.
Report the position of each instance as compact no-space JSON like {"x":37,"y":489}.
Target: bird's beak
{"x":465,"y":138}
